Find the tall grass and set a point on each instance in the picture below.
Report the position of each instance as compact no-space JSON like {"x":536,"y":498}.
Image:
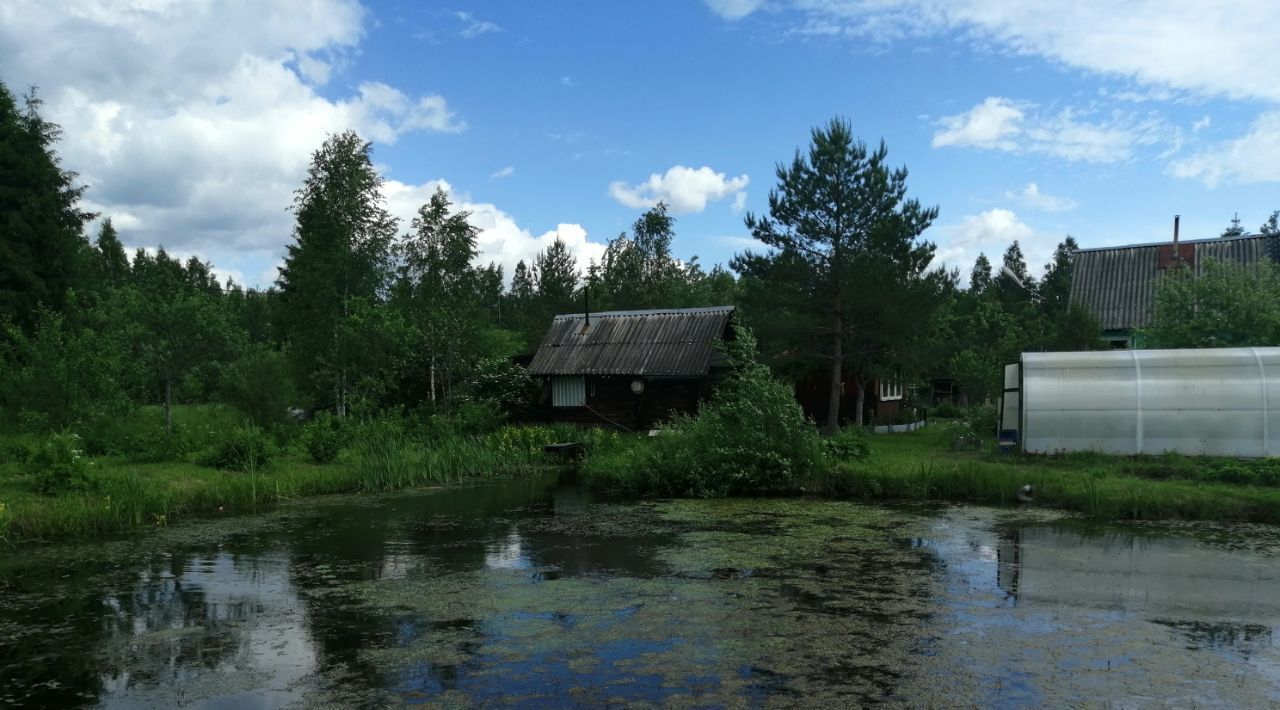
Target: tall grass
{"x":920,"y":466}
{"x":125,"y":495}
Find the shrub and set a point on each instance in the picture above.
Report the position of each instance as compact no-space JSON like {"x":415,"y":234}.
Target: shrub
{"x":475,"y":418}
{"x":848,"y":445}
{"x":751,"y":438}
{"x":946,"y":410}
{"x":155,"y":445}
{"x":242,"y":448}
{"x":324,"y":437}
{"x":259,"y":385}
{"x":59,"y":464}
{"x":504,"y":383}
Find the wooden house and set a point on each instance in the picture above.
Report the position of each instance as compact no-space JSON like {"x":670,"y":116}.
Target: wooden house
{"x":629,"y":369}
{"x":882,"y":399}
{"x":1118,"y":284}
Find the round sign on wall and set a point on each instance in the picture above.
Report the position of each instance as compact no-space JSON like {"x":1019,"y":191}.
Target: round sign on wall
{"x":637,"y":386}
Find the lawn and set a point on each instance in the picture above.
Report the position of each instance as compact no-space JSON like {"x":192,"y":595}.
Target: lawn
{"x":921,"y":465}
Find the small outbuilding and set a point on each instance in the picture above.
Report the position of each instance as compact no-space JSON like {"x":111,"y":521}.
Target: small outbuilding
{"x":1207,"y":402}
{"x":629,"y":369}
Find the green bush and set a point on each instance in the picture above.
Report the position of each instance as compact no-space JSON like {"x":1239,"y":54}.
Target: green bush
{"x":59,"y":464}
{"x":848,"y":445}
{"x":155,"y":445}
{"x":946,"y":410}
{"x":242,"y":448}
{"x":504,"y":383}
{"x":475,"y":418}
{"x":751,"y":438}
{"x":259,"y":385}
{"x":324,"y":437}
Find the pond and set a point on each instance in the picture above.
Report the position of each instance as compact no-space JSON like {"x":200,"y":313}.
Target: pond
{"x":529,"y":593}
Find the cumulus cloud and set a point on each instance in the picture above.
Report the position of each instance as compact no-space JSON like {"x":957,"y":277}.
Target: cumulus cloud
{"x":504,"y":172}
{"x":1033,"y":197}
{"x":1003,"y":124}
{"x":502,"y":239}
{"x":734,"y":9}
{"x":683,"y":189}
{"x":990,"y":232}
{"x":1250,"y":158}
{"x":193,"y":123}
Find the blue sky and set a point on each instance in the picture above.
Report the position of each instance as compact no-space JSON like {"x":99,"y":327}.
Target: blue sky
{"x":193,"y":122}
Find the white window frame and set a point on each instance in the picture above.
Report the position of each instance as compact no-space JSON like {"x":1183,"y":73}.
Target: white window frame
{"x":890,"y":389}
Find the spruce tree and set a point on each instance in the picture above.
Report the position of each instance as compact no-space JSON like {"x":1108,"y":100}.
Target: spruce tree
{"x":341,"y":253}
{"x":43,"y":251}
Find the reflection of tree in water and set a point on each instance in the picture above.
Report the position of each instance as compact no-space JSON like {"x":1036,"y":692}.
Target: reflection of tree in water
{"x":1244,"y":638}
{"x":50,"y":625}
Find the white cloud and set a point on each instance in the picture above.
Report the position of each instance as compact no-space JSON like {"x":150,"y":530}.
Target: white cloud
{"x":1031,"y":196}
{"x":990,"y":232}
{"x":194,"y":122}
{"x":683,"y":189}
{"x":473,"y":28}
{"x":1252,"y":157}
{"x":1212,"y":49}
{"x":739,"y":202}
{"x":734,"y":9}
{"x":991,"y":124}
{"x":504,"y":172}
{"x":1000,"y":123}
{"x":566,"y":80}
{"x":501,"y":239}
{"x":1201,"y":124}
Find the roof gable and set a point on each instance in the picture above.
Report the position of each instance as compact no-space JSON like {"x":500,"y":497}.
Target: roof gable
{"x":654,"y":343}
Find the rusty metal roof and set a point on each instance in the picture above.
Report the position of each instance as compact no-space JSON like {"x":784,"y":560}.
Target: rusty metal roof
{"x":675,"y":342}
{"x":1118,"y":284}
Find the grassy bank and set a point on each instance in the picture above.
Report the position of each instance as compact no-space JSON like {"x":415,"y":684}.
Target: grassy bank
{"x":921,"y":466}
{"x":122,"y":492}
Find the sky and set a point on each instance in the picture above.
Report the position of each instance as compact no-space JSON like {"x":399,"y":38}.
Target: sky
{"x":193,"y":121}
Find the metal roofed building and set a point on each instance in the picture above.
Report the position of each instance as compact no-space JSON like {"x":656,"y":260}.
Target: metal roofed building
{"x":629,"y":368}
{"x":1118,"y":284}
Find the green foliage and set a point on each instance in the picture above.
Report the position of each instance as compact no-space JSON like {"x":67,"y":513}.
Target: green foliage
{"x":848,"y":445}
{"x":751,"y":438}
{"x":42,"y":248}
{"x":1227,"y":306}
{"x":59,"y":464}
{"x":243,"y":448}
{"x":946,"y":410}
{"x":259,"y":386}
{"x":504,"y":383}
{"x":848,"y":281}
{"x":341,"y":253}
{"x":324,"y":437}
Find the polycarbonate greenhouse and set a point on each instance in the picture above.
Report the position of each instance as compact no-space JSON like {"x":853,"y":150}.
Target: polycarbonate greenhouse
{"x":1210,"y":402}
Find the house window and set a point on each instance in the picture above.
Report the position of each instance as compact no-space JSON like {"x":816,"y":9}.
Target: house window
{"x":891,"y":389}
{"x":568,"y":391}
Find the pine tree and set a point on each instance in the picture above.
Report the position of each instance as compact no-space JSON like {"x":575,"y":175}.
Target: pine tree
{"x":43,"y":250}
{"x":341,"y":253}
{"x":1055,"y":287}
{"x":980,"y":278}
{"x":1235,"y":229}
{"x":840,"y":221}
{"x":113,"y":262}
{"x":1271,"y":227}
{"x":555,"y":274}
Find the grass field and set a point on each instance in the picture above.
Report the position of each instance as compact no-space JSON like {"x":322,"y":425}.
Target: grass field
{"x":921,"y":466}
{"x":124,"y":492}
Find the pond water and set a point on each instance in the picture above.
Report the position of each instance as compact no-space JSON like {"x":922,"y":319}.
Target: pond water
{"x":529,"y":593}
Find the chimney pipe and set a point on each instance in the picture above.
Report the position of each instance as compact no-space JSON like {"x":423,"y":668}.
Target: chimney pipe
{"x":1176,"y":217}
{"x":586,"y":296}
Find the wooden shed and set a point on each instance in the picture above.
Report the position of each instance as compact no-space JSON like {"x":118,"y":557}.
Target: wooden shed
{"x":629,"y":369}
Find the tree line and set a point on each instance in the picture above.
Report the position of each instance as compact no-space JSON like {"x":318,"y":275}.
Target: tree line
{"x":370,"y":315}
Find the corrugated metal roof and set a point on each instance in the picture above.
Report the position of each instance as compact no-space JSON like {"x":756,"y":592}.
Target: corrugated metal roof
{"x":654,"y":343}
{"x":1118,"y":284}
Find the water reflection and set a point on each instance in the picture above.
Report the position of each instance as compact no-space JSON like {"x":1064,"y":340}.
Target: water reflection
{"x":530,"y":592}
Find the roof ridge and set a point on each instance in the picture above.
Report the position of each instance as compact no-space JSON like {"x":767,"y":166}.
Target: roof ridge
{"x":650,"y":312}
